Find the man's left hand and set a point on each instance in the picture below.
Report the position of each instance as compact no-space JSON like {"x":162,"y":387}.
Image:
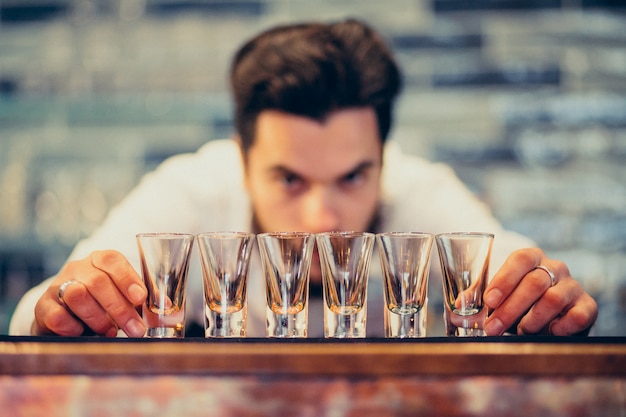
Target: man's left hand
{"x":524,"y":297}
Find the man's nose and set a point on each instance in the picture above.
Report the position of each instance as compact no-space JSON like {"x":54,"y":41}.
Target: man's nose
{"x":320,"y":211}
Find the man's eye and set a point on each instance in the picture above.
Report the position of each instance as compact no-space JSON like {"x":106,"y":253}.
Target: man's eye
{"x":291,"y":181}
{"x":353,"y":178}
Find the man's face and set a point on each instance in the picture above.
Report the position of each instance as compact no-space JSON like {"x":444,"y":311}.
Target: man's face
{"x":307,"y":176}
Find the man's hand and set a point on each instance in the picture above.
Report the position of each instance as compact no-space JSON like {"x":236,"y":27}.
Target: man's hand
{"x":101,"y":293}
{"x":523,"y":295}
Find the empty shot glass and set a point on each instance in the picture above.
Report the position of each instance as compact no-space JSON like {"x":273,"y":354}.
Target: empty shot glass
{"x":345,"y":262}
{"x":225,"y":261}
{"x":286,"y":261}
{"x":164,"y":265}
{"x":465,"y":267}
{"x":405,"y":261}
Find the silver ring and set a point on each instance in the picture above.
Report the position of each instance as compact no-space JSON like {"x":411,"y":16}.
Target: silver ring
{"x":63,"y":287}
{"x":550,"y":274}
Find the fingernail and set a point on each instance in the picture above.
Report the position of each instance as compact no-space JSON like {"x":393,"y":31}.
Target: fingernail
{"x":135,"y":328}
{"x":136,"y":293}
{"x":494,"y":327}
{"x":493,"y":297}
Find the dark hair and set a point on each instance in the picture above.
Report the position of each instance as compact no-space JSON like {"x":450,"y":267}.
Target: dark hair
{"x":311,"y":70}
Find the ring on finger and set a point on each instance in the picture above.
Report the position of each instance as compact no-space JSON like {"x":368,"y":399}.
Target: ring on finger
{"x":550,"y":274}
{"x":63,"y":288}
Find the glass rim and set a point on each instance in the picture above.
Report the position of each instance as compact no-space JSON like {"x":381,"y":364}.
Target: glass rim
{"x":346,"y":233}
{"x":285,"y":234}
{"x":405,"y":234}
{"x":164,"y":234}
{"x":464,"y":234}
{"x":225,"y":234}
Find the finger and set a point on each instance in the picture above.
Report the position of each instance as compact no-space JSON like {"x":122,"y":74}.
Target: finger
{"x":508,"y":277}
{"x":100,"y":302}
{"x":528,"y":291}
{"x":78,"y":300}
{"x":52,"y":318}
{"x":549,"y":307}
{"x":122,"y":273}
{"x":576,"y":320}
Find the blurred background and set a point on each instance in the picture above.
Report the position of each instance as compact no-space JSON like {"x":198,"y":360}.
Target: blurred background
{"x":525,"y":99}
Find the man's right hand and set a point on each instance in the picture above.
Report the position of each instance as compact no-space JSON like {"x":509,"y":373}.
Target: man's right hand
{"x":103,"y":293}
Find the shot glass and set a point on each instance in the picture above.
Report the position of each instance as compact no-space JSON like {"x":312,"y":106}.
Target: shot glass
{"x":345,"y":262}
{"x":225,"y":261}
{"x":405,"y":261}
{"x":164,"y":266}
{"x":465,"y":266}
{"x":286,"y":262}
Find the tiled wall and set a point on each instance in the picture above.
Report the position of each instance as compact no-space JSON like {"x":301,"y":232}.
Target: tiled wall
{"x":526,"y":99}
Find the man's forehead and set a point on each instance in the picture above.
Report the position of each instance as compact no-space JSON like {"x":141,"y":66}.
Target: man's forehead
{"x":344,"y":140}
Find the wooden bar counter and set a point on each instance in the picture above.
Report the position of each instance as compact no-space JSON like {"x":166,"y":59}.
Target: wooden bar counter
{"x":508,"y":376}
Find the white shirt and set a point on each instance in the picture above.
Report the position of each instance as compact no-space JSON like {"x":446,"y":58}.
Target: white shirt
{"x":204,"y":191}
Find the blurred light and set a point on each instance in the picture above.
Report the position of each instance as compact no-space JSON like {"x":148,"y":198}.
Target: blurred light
{"x":132,"y":9}
{"x":46,"y":207}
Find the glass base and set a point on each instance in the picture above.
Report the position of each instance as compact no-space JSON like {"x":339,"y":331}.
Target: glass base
{"x":463,"y":332}
{"x":405,"y":325}
{"x":465,"y":325}
{"x":166,"y":332}
{"x":225,"y":325}
{"x":164,"y":325}
{"x":286,"y":325}
{"x":345,"y":325}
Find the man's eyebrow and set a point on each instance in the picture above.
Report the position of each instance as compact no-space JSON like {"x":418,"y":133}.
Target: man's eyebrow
{"x":362,"y":166}
{"x":359,"y":168}
{"x":281,"y":169}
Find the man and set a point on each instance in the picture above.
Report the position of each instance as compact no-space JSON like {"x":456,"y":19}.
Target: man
{"x":313,"y":112}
